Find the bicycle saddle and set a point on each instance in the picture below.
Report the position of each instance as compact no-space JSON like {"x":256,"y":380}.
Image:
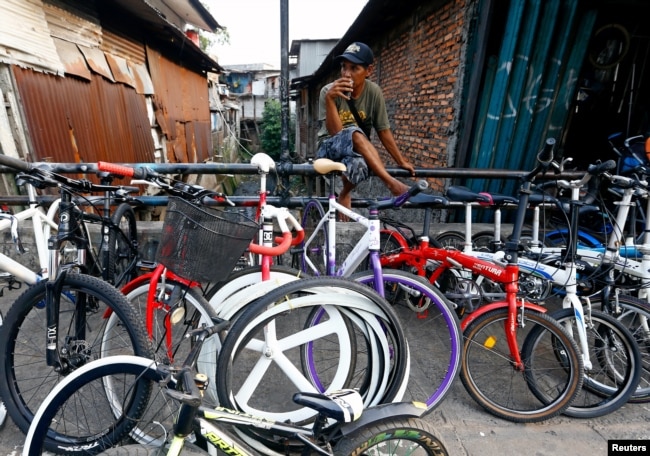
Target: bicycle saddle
{"x":263,"y":162}
{"x":343,"y":405}
{"x":326,"y":166}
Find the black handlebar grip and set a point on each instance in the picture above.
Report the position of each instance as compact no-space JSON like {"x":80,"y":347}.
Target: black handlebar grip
{"x":545,"y":156}
{"x":600,"y":168}
{"x":15,"y":163}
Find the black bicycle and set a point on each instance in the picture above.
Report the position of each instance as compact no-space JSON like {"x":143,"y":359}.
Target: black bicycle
{"x":60,"y":323}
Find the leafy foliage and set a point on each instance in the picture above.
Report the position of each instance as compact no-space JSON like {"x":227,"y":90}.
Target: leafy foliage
{"x":271,"y":138}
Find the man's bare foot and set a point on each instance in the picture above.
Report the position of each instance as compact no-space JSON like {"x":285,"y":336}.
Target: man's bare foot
{"x":398,"y":188}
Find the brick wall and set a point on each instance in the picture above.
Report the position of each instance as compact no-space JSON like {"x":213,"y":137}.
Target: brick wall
{"x":418,"y":70}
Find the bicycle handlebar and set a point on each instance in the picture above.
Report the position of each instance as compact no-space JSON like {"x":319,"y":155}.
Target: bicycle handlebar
{"x":15,"y":163}
{"x":284,"y":218}
{"x":126,"y":171}
{"x":545,"y":156}
{"x":400,"y":200}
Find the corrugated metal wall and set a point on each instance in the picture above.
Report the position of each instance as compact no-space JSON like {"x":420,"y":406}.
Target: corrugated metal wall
{"x":528,"y":85}
{"x":71,"y":119}
{"x":182,"y":109}
{"x":87,"y":91}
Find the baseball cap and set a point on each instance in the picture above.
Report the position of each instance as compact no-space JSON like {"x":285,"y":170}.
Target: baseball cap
{"x":357,"y":53}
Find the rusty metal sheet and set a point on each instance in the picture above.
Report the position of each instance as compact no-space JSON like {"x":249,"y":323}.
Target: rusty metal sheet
{"x":120,"y":69}
{"x":73,"y":60}
{"x":183,"y":110}
{"x":70,"y":119}
{"x":141,"y":77}
{"x":96,"y":60}
{"x":77,"y":23}
{"x":29,"y":45}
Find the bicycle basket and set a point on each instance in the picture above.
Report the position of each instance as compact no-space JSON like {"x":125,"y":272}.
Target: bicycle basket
{"x":202,"y":243}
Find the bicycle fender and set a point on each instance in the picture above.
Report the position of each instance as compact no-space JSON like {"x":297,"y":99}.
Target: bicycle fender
{"x":466,"y":321}
{"x":383,"y":412}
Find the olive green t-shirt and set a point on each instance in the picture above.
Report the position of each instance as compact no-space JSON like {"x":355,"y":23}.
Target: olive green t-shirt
{"x":370,"y":105}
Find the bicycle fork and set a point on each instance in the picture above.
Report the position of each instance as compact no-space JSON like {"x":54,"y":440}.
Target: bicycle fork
{"x":63,"y":358}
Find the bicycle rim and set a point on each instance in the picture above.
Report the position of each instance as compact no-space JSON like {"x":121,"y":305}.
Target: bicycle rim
{"x":634,"y":314}
{"x":100,"y":404}
{"x":432,"y":332}
{"x":551,"y":360}
{"x":248,"y":375}
{"x":615,"y":360}
{"x":26,"y":378}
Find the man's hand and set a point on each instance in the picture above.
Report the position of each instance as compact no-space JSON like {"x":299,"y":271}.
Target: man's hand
{"x":342,"y":87}
{"x":408,"y":166}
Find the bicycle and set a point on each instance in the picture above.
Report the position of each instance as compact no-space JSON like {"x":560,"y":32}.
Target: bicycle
{"x":499,"y":364}
{"x":114,"y":259}
{"x":139,"y":385}
{"x":435,"y":332}
{"x":59,"y":323}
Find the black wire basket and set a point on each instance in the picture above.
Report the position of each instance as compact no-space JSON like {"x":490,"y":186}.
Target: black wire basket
{"x":201,"y":243}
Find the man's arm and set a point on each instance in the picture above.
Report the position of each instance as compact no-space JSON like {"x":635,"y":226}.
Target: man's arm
{"x":387,"y":139}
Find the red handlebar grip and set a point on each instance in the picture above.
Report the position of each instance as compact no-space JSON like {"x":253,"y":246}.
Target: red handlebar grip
{"x":272,"y":251}
{"x":114,"y":168}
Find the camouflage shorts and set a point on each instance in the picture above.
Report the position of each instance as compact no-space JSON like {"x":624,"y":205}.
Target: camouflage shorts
{"x":339,"y":148}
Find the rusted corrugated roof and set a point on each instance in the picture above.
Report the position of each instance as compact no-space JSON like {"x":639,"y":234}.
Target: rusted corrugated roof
{"x":84,"y":120}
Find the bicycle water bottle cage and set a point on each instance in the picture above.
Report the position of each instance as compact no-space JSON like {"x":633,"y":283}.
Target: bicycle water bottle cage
{"x":326,"y":166}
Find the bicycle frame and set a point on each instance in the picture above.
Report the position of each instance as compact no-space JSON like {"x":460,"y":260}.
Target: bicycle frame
{"x":367,"y":245}
{"x":42,"y":223}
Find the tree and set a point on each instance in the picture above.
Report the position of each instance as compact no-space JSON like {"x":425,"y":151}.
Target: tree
{"x":272,"y":129}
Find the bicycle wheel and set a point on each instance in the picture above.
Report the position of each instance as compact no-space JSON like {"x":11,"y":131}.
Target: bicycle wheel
{"x":177,"y":310}
{"x":491,"y":379}
{"x":100,"y":404}
{"x":432,"y":332}
{"x":616,"y":365}
{"x":83,"y":335}
{"x":122,"y":246}
{"x":394,"y":436}
{"x":261,"y":356}
{"x":314,"y":254}
{"x":451,"y":240}
{"x":634,"y":313}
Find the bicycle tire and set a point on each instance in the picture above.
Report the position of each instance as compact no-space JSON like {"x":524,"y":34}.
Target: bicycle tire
{"x":491,"y":379}
{"x":99,"y":405}
{"x":288,"y":307}
{"x":451,"y":240}
{"x":316,"y":251}
{"x":196,"y":311}
{"x":616,"y":365}
{"x":401,"y":436}
{"x":432,"y":331}
{"x":122,"y":246}
{"x":25,"y":377}
{"x":141,"y":450}
{"x":634,"y":313}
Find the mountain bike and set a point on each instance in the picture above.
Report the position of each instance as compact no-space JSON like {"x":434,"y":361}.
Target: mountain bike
{"x":58,"y":324}
{"x":128,"y":391}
